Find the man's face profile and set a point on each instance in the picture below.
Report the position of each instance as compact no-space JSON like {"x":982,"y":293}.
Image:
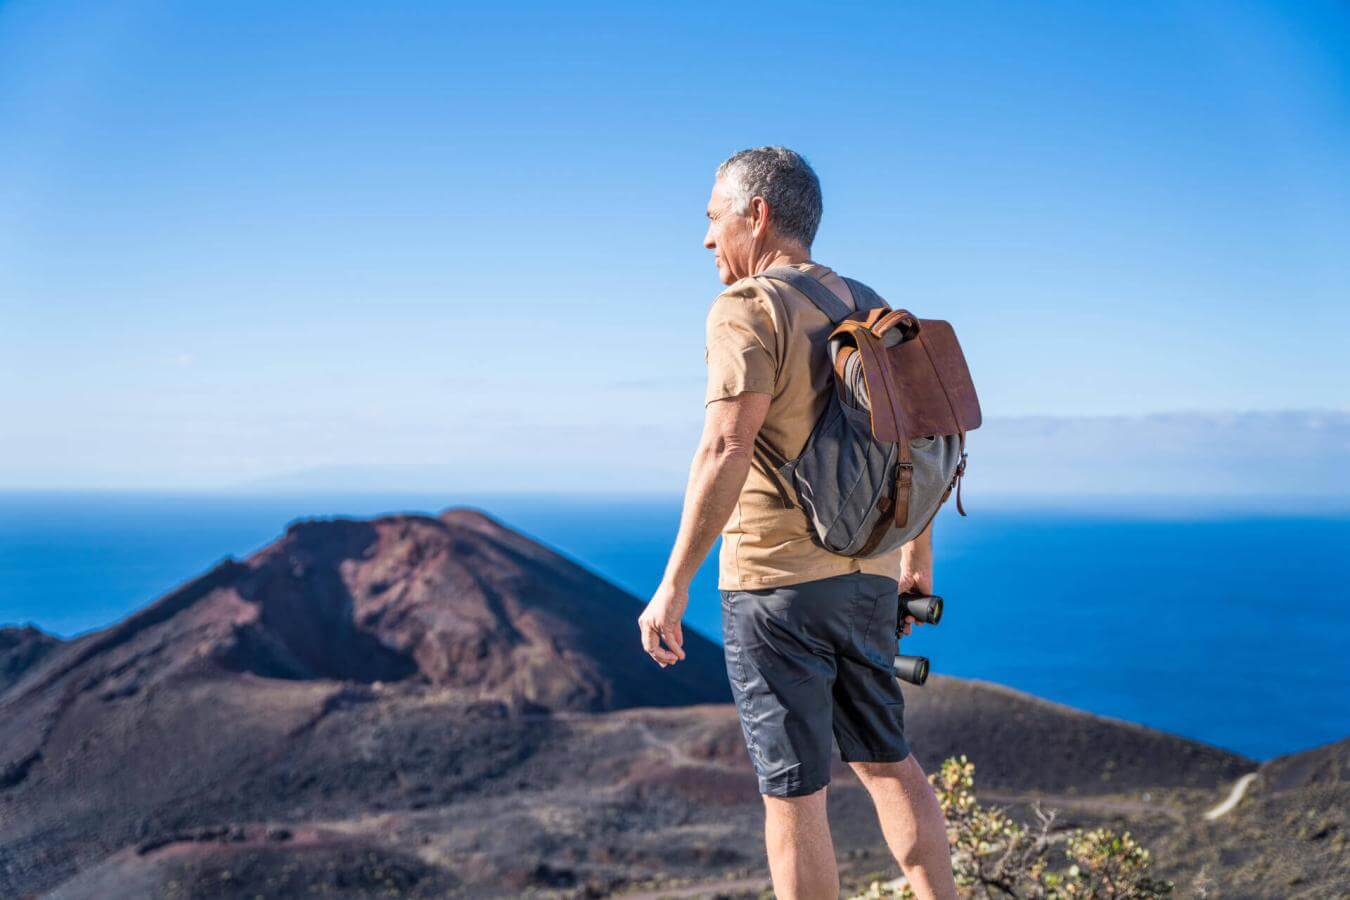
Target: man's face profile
{"x":729,"y":235}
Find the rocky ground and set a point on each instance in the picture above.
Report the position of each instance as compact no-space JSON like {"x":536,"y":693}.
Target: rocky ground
{"x":429,"y":707}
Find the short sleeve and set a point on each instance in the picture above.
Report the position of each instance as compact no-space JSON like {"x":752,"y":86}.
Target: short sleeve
{"x":740,"y":346}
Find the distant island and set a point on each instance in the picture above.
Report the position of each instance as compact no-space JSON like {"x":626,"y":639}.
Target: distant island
{"x":423,"y":706}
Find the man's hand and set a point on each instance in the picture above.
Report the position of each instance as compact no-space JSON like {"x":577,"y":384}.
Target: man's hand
{"x":915,"y":581}
{"x":660,"y":621}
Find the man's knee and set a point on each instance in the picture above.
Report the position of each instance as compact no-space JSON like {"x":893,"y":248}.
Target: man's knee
{"x":798,"y":801}
{"x":877,"y":774}
{"x":798,"y":808}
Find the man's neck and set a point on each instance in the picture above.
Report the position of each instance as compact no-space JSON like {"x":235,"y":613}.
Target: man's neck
{"x":782,"y":256}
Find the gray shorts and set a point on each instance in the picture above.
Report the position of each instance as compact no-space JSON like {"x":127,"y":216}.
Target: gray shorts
{"x":809,"y":662}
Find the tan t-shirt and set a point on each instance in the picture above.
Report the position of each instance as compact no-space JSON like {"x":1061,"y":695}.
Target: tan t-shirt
{"x":765,"y":336}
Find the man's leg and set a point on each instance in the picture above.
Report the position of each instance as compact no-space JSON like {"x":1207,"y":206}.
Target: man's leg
{"x":913,"y":824}
{"x":801,"y":854}
{"x":778,"y":643}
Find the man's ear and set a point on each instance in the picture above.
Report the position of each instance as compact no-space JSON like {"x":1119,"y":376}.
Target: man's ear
{"x":759,"y":216}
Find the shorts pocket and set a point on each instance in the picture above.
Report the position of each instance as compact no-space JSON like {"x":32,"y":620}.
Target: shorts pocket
{"x":862,"y":613}
{"x":876,"y":640}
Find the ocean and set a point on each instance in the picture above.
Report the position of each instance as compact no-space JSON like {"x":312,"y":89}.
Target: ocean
{"x":1225,"y":626}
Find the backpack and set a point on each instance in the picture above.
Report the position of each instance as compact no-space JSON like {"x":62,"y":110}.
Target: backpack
{"x":891,"y":443}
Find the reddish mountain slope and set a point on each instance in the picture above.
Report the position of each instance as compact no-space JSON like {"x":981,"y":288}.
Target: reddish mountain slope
{"x":457,"y":601}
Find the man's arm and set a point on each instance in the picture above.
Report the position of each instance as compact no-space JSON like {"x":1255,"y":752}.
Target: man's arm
{"x":916,"y":566}
{"x":721,"y":464}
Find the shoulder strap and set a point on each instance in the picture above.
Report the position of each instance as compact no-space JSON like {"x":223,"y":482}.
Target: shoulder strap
{"x":824,"y":298}
{"x":864,"y":296}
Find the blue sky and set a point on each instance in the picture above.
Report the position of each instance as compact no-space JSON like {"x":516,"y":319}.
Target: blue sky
{"x":243,"y":240}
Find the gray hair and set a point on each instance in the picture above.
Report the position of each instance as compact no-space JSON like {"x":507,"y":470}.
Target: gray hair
{"x":785,"y":180}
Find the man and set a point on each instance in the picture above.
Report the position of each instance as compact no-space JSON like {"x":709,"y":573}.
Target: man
{"x":808,"y":634}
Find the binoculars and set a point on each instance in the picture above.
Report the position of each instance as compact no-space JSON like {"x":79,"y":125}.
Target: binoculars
{"x":924,"y":608}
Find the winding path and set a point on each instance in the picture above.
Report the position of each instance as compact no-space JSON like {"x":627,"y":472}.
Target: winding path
{"x":1234,"y":797}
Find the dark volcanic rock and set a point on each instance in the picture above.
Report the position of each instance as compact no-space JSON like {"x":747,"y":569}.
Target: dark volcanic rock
{"x":218,"y":688}
{"x":244,"y":862}
{"x":20,"y":648}
{"x":1322,"y":767}
{"x":1021,"y":741}
{"x":1285,"y":837}
{"x":417,"y":706}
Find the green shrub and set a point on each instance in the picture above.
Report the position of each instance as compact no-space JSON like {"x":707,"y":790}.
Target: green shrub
{"x":994,"y":855}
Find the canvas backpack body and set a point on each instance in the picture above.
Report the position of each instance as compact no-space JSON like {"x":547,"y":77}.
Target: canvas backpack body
{"x":890,"y":445}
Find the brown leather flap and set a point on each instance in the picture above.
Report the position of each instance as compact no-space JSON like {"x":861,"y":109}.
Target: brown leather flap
{"x":919,"y":387}
{"x":881,"y":387}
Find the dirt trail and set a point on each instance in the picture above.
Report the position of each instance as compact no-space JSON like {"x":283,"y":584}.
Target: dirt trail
{"x":1234,"y":797}
{"x":677,"y":754}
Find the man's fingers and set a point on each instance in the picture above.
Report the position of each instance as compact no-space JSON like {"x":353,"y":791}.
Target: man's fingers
{"x":651,"y":642}
{"x":674,"y":638}
{"x":672,"y":648}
